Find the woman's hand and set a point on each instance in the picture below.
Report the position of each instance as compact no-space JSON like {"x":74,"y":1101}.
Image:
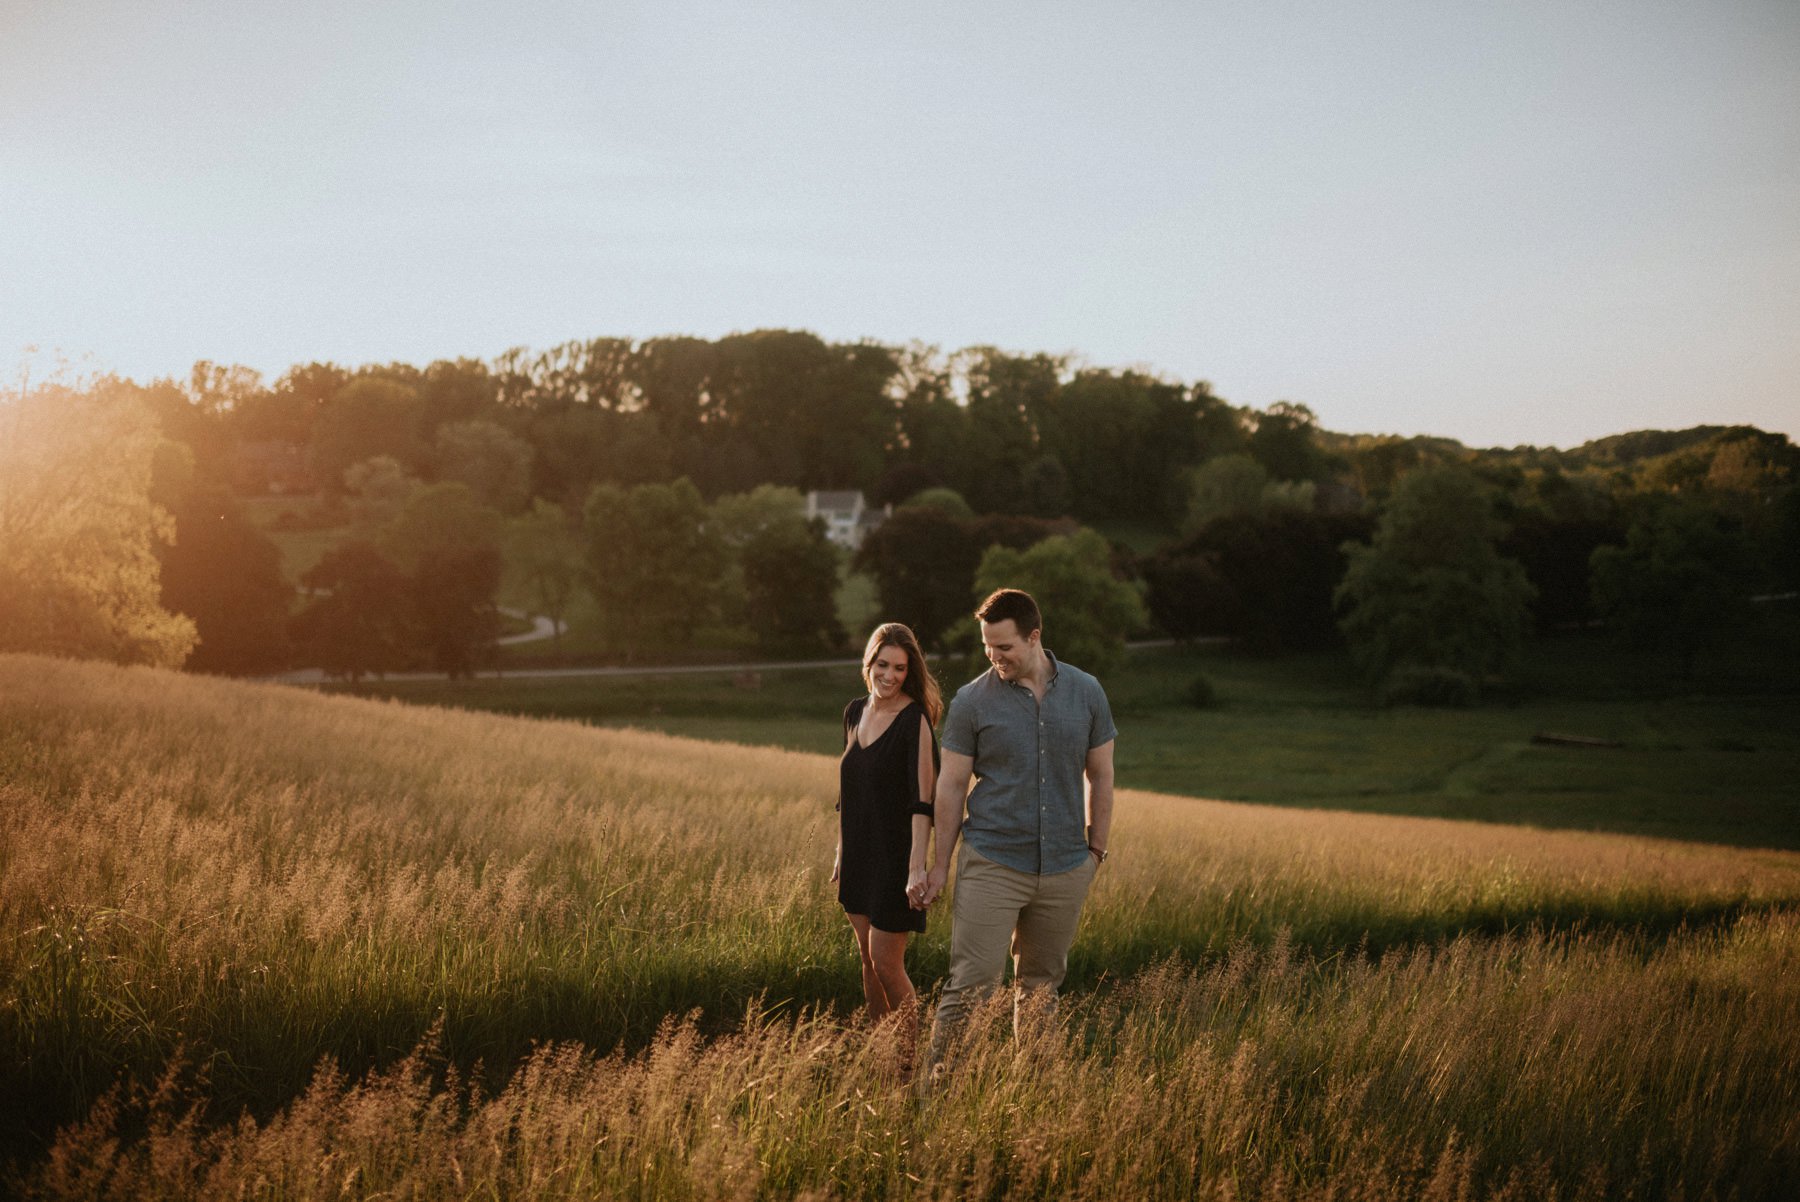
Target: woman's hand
{"x":915,"y":888}
{"x":837,"y":863}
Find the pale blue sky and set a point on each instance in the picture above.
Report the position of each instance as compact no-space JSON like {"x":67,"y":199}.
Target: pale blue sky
{"x":1503,"y":222}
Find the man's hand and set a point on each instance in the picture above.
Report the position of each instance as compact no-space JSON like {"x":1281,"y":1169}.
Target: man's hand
{"x":952,"y":789}
{"x":934,"y":885}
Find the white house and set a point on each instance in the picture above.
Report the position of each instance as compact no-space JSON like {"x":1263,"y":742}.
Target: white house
{"x":846,"y":514}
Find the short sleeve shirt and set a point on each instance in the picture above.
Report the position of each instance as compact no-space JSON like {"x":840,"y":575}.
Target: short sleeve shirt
{"x":1028,"y":810}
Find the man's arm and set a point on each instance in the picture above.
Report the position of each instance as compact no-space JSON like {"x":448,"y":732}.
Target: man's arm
{"x":1099,"y":770}
{"x":952,"y":792}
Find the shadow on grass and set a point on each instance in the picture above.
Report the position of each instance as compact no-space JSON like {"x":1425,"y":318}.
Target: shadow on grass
{"x":1647,"y":926}
{"x":266,"y":1060}
{"x":1768,"y":823}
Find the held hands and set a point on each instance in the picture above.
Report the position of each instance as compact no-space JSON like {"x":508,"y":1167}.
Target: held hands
{"x":923,"y":888}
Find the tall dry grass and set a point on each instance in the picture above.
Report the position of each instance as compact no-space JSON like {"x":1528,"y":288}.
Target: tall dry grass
{"x":550,"y":959}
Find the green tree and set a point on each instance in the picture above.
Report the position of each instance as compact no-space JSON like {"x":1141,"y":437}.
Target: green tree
{"x":923,"y":560}
{"x":453,"y":590}
{"x":1046,"y":484}
{"x":806,"y":412}
{"x":369,"y":416}
{"x":1007,"y":397}
{"x":1377,"y":463}
{"x":1285,"y":441}
{"x":200,"y":411}
{"x":1431,"y":591}
{"x":286,"y":412}
{"x":654,"y":563}
{"x":1749,"y":469}
{"x":457,"y":390}
{"x":670,"y":380}
{"x":790,"y":573}
{"x":225,"y":574}
{"x":439,"y":517}
{"x":492,"y":461}
{"x":1784,"y":552}
{"x":930,"y":443}
{"x":592,"y":374}
{"x":220,"y":388}
{"x":740,"y":517}
{"x":1752,"y":480}
{"x":901,"y":482}
{"x":78,"y":528}
{"x":944,"y":500}
{"x":1123,"y":439}
{"x":1228,"y":484}
{"x":448,"y":544}
{"x":378,"y":490}
{"x":1262,"y":576}
{"x":575,"y":447}
{"x":1088,"y":611}
{"x":1556,"y":553}
{"x":545,"y":547}
{"x":1237,"y":484}
{"x":1681,"y":579}
{"x":1186,"y":593}
{"x":357,"y":619}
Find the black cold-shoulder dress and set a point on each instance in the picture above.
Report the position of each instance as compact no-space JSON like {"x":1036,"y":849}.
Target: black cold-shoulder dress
{"x":877,"y":786}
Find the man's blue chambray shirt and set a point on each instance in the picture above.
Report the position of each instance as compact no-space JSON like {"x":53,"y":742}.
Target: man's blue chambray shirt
{"x":1028,"y":810}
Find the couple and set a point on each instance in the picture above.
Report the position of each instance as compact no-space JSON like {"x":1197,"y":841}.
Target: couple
{"x":1031,"y":731}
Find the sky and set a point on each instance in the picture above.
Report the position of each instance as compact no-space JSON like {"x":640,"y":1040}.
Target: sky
{"x":1507,"y":223}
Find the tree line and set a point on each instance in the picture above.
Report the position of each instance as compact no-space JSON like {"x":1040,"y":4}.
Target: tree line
{"x":661,"y":479}
{"x":1034,"y":434}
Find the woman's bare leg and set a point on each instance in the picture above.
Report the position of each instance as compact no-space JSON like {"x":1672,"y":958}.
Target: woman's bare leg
{"x":874,"y":992}
{"x":888,"y":951}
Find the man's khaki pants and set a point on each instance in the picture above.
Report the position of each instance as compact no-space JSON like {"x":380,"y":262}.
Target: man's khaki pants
{"x":998,"y":910}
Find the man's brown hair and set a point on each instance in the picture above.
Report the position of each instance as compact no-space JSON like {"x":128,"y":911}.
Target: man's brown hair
{"x":1014,"y":605}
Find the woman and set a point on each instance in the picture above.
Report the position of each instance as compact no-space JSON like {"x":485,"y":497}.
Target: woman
{"x":885,"y":785}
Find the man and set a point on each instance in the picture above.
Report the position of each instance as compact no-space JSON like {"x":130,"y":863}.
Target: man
{"x":1030,"y":730}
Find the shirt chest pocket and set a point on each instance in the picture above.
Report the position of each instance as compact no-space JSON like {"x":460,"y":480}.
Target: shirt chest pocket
{"x":1001,"y":749}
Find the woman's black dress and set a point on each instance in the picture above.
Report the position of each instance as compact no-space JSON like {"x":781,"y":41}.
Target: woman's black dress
{"x":877,"y":786}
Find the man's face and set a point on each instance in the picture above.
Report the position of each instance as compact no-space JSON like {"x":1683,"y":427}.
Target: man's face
{"x":1006,"y":649}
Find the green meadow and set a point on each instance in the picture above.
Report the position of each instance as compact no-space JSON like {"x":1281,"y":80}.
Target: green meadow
{"x":258,"y":941}
{"x":1715,"y":758}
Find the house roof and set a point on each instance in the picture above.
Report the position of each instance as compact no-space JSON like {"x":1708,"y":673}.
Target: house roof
{"x":851,"y":500}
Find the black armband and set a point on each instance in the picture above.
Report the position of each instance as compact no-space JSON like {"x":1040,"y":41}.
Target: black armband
{"x":923,"y":807}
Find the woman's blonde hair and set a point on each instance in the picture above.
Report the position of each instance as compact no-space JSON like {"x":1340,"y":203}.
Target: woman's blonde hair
{"x":919,"y":684}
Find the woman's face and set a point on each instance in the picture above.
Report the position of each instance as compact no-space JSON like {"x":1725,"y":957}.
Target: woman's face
{"x":887,"y":672}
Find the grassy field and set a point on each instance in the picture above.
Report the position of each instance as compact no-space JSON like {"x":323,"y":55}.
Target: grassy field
{"x":300,"y":549}
{"x":262,"y":942}
{"x":1715,"y":761}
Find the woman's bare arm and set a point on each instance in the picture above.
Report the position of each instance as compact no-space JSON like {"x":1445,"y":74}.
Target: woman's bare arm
{"x":921,"y":825}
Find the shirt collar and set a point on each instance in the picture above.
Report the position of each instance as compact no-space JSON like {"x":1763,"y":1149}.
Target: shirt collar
{"x":1050,"y":680}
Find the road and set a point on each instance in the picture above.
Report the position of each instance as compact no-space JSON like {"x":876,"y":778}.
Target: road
{"x":541,"y":628}
{"x":313,"y":676}
{"x":318,"y":675}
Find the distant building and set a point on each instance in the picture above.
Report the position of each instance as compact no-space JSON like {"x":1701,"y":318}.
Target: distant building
{"x":847,"y":516}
